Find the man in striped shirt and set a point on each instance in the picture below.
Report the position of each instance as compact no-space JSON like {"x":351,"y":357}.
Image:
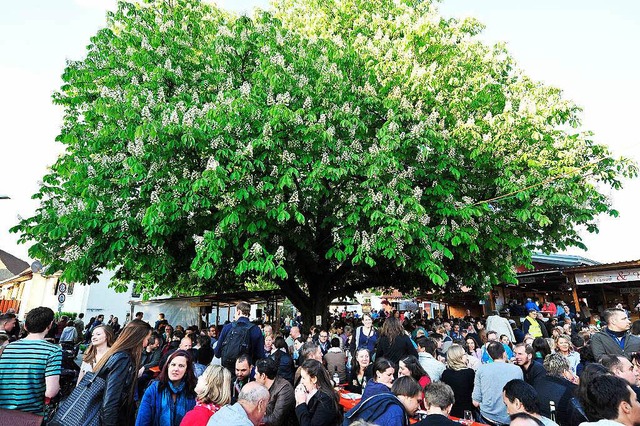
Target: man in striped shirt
{"x":30,"y":368}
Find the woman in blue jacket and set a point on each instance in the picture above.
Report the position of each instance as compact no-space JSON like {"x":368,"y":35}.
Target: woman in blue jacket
{"x":383,"y":375}
{"x":167,"y":400}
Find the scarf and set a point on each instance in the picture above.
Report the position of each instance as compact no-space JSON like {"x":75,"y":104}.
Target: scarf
{"x":210,"y":406}
{"x":170,"y":412}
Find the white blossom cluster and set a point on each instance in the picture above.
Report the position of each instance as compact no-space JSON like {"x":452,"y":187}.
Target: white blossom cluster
{"x":199,"y":240}
{"x":135,"y":147}
{"x":256,"y":249}
{"x":279,"y":255}
{"x":71,"y":254}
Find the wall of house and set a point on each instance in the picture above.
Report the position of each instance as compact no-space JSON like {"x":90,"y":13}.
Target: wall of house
{"x":91,"y":299}
{"x":38,"y":291}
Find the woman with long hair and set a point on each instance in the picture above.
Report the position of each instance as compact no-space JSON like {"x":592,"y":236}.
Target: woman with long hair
{"x":213,"y":391}
{"x":283,"y":359}
{"x":472,"y":348}
{"x":565,"y":347}
{"x":365,"y":336}
{"x":361,"y":371}
{"x":168,"y":399}
{"x":394,"y":344}
{"x":121,"y":363}
{"x":102,"y":338}
{"x":410,"y":367}
{"x":541,"y":349}
{"x":382,"y":380}
{"x":316,"y":401}
{"x":460,"y":377}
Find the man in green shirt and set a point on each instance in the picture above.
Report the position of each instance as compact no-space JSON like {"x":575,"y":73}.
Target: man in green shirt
{"x":30,"y":368}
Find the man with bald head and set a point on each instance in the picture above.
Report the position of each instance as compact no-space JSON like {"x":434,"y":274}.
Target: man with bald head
{"x":248,"y":411}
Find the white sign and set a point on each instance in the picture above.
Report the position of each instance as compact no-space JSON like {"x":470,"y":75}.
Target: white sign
{"x":620,"y":276}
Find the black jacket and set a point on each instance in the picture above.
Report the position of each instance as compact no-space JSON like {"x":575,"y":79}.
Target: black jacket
{"x":320,"y":411}
{"x":150,"y":359}
{"x":535,"y":371}
{"x":286,"y":370}
{"x":119,"y":372}
{"x":437,"y":420}
{"x":353,"y":385}
{"x":400,"y":348}
{"x":560,"y":391}
{"x":461,"y":381}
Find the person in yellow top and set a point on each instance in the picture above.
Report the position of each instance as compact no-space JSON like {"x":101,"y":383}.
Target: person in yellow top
{"x":531,"y":325}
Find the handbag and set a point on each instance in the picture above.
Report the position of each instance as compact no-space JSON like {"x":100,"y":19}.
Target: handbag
{"x":82,"y":407}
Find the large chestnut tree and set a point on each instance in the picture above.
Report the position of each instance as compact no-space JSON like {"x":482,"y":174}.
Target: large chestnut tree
{"x":325,"y":146}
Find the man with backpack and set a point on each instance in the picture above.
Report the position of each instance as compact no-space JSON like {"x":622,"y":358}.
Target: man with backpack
{"x":240,"y":337}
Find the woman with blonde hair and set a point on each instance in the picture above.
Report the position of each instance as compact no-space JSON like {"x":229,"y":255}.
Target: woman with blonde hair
{"x":460,"y":377}
{"x":566,"y":349}
{"x":102,"y":338}
{"x":213,"y":392}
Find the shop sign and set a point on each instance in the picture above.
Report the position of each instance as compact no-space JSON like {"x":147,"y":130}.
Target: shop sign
{"x":616,"y":276}
{"x":630,"y":290}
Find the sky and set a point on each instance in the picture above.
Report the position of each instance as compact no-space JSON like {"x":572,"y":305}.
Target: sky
{"x":585,"y":47}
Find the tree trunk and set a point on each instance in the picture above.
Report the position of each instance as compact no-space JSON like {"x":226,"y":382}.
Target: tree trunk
{"x":318,"y":308}
{"x":310,"y":306}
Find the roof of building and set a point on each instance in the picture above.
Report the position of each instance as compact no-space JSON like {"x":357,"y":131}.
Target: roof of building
{"x":10,"y":266}
{"x":605,"y":266}
{"x":562,"y":260}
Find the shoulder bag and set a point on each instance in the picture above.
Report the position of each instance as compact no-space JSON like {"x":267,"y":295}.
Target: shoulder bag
{"x":82,"y":407}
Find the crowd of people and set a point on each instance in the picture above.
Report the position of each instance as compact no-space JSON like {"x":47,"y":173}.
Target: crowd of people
{"x":546,"y":367}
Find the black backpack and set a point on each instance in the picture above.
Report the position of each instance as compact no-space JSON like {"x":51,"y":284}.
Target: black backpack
{"x":236,"y":343}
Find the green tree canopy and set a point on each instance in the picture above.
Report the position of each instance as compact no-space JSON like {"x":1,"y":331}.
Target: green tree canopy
{"x":328,"y":146}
